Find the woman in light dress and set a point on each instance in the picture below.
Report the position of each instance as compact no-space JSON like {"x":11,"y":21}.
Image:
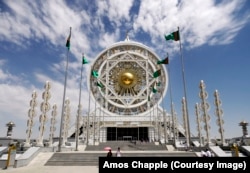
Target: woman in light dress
{"x":118,"y":152}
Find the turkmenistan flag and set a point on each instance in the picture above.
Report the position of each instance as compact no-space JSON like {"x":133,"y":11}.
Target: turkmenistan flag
{"x":164,"y":61}
{"x":173,"y":36}
{"x":95,"y":73}
{"x":157,"y":73}
{"x":154,"y":90}
{"x":99,"y":84}
{"x":68,"y":40}
{"x":84,"y":60}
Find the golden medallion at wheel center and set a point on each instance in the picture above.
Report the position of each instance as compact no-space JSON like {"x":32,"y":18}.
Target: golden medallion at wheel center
{"x":127,"y":78}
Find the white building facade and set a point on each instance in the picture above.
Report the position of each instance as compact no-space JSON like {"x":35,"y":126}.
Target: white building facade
{"x":128,"y":86}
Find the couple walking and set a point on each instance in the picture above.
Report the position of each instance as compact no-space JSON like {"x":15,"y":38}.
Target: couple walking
{"x":118,"y":153}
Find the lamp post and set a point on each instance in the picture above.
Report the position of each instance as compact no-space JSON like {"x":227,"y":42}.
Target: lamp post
{"x":10,"y":126}
{"x":244,"y":125}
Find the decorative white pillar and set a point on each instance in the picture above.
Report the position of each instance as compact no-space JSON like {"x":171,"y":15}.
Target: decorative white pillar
{"x":185,"y":122}
{"x":52,"y":125}
{"x":78,"y":124}
{"x":205,"y":107}
{"x":174,"y":124}
{"x":198,"y":120}
{"x":45,"y":107}
{"x":166,"y":127}
{"x":66,"y":122}
{"x":219,"y":114}
{"x":176,"y":130}
{"x":30,"y":122}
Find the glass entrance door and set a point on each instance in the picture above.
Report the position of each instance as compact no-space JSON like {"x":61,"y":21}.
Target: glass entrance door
{"x":127,"y":134}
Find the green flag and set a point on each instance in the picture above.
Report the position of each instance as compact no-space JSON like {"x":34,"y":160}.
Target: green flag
{"x":68,"y":40}
{"x":99,"y":84}
{"x":84,"y":60}
{"x":154,"y":90}
{"x":157,"y":73}
{"x":173,"y":36}
{"x":95,"y":73}
{"x":164,"y":61}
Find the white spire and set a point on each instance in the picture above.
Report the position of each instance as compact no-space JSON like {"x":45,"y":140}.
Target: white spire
{"x":127,"y":37}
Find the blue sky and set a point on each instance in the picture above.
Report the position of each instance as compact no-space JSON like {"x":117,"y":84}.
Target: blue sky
{"x":215,"y":46}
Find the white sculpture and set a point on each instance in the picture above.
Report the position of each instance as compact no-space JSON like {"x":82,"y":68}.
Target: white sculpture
{"x":30,"y":122}
{"x":45,"y":107}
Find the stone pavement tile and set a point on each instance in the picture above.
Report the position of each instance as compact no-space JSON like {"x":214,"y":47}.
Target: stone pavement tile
{"x":41,"y":159}
{"x":53,"y":169}
{"x":37,"y":166}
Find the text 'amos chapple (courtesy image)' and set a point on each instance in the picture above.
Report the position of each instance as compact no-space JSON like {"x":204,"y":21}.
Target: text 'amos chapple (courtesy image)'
{"x":173,"y":164}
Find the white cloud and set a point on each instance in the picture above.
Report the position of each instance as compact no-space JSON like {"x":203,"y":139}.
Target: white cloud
{"x":7,"y":78}
{"x":49,"y":20}
{"x":3,"y":76}
{"x":107,"y":40}
{"x":116,"y":12}
{"x":15,"y":98}
{"x":200,"y":22}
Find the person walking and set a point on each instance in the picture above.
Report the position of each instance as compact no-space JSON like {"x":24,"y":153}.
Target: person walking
{"x":203,"y":153}
{"x":109,"y":154}
{"x":208,"y":152}
{"x":118,"y":152}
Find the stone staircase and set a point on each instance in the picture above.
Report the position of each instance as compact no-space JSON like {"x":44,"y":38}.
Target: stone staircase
{"x":127,"y":146}
{"x":90,"y":155}
{"x":92,"y":159}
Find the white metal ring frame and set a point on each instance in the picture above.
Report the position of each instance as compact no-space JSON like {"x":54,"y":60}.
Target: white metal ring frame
{"x":126,"y":81}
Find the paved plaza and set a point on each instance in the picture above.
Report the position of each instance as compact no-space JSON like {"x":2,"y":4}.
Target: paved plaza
{"x":37,"y":166}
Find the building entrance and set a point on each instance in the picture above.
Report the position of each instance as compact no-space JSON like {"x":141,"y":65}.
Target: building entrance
{"x":127,"y":134}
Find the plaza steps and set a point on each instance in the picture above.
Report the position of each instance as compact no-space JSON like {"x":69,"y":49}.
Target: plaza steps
{"x":91,"y":159}
{"x":127,"y":146}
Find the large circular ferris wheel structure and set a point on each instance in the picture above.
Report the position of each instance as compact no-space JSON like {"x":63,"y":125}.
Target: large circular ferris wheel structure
{"x":128,"y":85}
{"x":126,"y":79}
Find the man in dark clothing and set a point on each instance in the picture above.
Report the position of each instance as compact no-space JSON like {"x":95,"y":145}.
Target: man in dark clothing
{"x":109,"y":153}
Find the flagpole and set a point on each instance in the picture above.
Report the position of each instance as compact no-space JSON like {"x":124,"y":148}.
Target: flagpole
{"x":87,"y":142}
{"x":87,"y":137}
{"x":185,"y":93}
{"x":103,"y":109}
{"x":164,"y":118}
{"x":158,"y":126}
{"x":79,"y":109}
{"x":171,"y":99}
{"x":99,"y":121}
{"x":65,"y":83}
{"x":172,"y":110}
{"x":154,"y":119}
{"x":164,"y":61}
{"x":94,"y":124}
